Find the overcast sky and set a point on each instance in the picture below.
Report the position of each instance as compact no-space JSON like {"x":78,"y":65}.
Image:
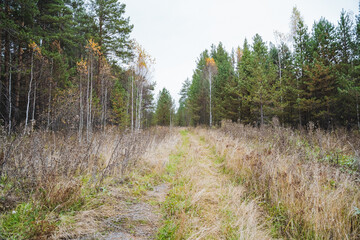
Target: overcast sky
{"x":176,"y":32}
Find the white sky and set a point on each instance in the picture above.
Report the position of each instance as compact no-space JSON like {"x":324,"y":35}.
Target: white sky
{"x":176,"y":32}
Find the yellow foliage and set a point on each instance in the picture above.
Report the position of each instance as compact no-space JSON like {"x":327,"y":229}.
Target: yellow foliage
{"x":210,"y":62}
{"x":144,"y":60}
{"x":33,"y":46}
{"x":82,"y":66}
{"x":94,"y":47}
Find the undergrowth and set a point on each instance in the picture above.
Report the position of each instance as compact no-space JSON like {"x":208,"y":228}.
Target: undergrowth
{"x":176,"y":203}
{"x":49,"y":177}
{"x":304,"y":180}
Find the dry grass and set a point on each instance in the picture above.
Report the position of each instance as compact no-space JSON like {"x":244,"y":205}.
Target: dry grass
{"x":157,"y":155}
{"x":114,"y":202}
{"x":205,"y":204}
{"x":55,"y":174}
{"x":306,"y":196}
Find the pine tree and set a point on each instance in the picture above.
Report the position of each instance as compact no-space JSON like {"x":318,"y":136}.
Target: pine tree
{"x":301,"y":58}
{"x":199,"y":93}
{"x":261,"y":80}
{"x":164,"y":108}
{"x":183,"y":113}
{"x":348,"y":91}
{"x":244,"y":60}
{"x":113,"y":29}
{"x":321,"y":84}
{"x":225,"y":74}
{"x":118,"y":98}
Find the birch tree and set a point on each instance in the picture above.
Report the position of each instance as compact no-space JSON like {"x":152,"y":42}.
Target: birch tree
{"x":142,"y":73}
{"x":93,"y":53}
{"x":211,"y":69}
{"x":35,"y":51}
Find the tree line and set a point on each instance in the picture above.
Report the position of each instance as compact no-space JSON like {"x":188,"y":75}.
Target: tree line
{"x":71,"y":64}
{"x":306,"y":76}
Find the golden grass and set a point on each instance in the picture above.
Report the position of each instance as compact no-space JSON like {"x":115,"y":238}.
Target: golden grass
{"x":113,"y":202}
{"x":68,"y":183}
{"x":216,"y":208}
{"x":317,"y":199}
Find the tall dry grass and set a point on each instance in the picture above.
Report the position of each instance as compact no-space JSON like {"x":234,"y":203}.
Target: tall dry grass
{"x":204,"y":203}
{"x":308,"y":192}
{"x":51,"y":169}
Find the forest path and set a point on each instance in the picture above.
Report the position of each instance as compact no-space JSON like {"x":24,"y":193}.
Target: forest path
{"x":204,"y":202}
{"x":185,"y":193}
{"x":128,"y":207}
{"x":140,"y":219}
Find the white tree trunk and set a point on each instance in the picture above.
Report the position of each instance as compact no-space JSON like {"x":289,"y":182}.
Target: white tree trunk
{"x":132,"y":104}
{"x":128,"y":100}
{"x":357,"y":109}
{"x":102,"y":102}
{"x":34,"y":104}
{"x":87,"y":105}
{"x":10,"y":97}
{"x":105,"y":108}
{"x":139,"y":107}
{"x":49,"y":103}
{"x":261,"y":110}
{"x":280,"y":77}
{"x":210,"y":99}
{"x":81,"y":116}
{"x":91,"y":96}
{"x":29,"y":92}
{"x":136,"y":107}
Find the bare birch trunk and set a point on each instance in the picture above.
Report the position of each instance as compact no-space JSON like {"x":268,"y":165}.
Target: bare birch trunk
{"x":140,"y":105}
{"x":128,"y":100}
{"x":261,"y":110}
{"x":210,"y":100}
{"x":34,"y":104}
{"x":50,"y":92}
{"x":81,"y":112}
{"x":280,"y":77}
{"x":1,"y":84}
{"x":105,"y":108}
{"x":132,"y":104}
{"x":357,"y":109}
{"x":87,"y":105}
{"x":29,"y":92}
{"x":136,"y":107}
{"x":102,"y":103}
{"x":10,"y":97}
{"x":91,"y":95}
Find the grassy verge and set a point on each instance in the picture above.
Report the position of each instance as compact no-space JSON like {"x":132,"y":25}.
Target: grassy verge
{"x":47,"y":208}
{"x":176,"y":203}
{"x":53,"y":185}
{"x":203,"y":202}
{"x":303,"y":197}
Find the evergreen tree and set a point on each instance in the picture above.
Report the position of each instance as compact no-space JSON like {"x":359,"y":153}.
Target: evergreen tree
{"x":199,"y":93}
{"x":346,"y":75}
{"x":224,"y":84}
{"x":244,"y":75}
{"x":261,"y":80}
{"x":320,"y":96}
{"x":183,"y":114}
{"x":164,"y":108}
{"x":301,"y":59}
{"x":118,"y":100}
{"x":113,"y":29}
